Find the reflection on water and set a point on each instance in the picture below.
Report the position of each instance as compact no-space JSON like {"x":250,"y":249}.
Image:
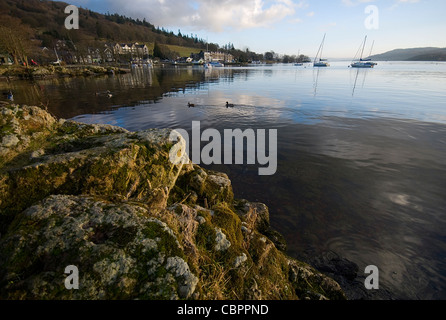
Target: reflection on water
{"x":361,"y":153}
{"x":357,"y":72}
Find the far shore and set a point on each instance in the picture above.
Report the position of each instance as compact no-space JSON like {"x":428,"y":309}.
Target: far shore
{"x":15,"y":72}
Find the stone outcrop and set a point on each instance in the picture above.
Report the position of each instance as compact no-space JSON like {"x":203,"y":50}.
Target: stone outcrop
{"x":136,"y":226}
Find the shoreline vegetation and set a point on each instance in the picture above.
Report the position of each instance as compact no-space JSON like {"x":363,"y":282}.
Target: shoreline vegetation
{"x":110,"y":202}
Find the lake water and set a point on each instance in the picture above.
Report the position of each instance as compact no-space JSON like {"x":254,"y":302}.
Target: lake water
{"x":361,"y":153}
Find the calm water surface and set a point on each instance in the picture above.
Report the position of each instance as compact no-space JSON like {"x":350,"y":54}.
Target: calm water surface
{"x":361,"y":153}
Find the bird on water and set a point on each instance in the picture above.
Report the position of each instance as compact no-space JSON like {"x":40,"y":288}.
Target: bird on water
{"x":10,"y":96}
{"x":190,"y":105}
{"x":106,"y":93}
{"x":229,"y":105}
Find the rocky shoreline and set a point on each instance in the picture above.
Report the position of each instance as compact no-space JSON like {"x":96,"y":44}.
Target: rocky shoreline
{"x":44,"y":72}
{"x":111,"y":203}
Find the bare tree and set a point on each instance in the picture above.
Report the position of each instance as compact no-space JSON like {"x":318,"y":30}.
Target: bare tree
{"x":15,"y":39}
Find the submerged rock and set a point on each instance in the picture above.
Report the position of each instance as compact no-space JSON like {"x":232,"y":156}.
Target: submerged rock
{"x":136,"y":226}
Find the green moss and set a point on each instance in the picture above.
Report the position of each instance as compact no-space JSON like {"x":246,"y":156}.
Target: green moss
{"x":177,"y":195}
{"x":228,"y":221}
{"x":121,"y":180}
{"x":204,"y":214}
{"x":157,"y":172}
{"x":205,"y":237}
{"x":119,"y":236}
{"x":101,"y":177}
{"x":6,"y":130}
{"x":73,"y":146}
{"x":19,"y":114}
{"x":68,"y":128}
{"x":168,"y":146}
{"x":25,"y":189}
{"x":167,"y":243}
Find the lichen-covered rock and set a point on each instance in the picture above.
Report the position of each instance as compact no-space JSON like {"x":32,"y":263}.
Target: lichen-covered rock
{"x":255,"y":215}
{"x":120,"y":251}
{"x":91,"y":159}
{"x":210,"y":186}
{"x":180,"y":270}
{"x":20,"y":127}
{"x":240,"y":260}
{"x":221,"y":242}
{"x":322,"y":286}
{"x":40,"y":72}
{"x":135,"y":224}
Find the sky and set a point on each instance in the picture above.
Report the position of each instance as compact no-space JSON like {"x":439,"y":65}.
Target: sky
{"x":293,"y":26}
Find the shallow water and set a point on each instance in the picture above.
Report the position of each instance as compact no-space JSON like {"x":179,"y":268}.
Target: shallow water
{"x":361,"y":153}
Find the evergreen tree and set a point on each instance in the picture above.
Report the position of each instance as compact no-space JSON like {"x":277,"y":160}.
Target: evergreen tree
{"x":157,"y":52}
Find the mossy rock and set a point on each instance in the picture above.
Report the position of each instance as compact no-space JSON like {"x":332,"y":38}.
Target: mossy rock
{"x":89,"y":159}
{"x":229,"y":222}
{"x":210,"y":187}
{"x":119,"y":250}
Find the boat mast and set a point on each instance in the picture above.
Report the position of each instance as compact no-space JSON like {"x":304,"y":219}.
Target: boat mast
{"x":363,"y":47}
{"x":371,"y":49}
{"x":320,"y":49}
{"x":57,"y":56}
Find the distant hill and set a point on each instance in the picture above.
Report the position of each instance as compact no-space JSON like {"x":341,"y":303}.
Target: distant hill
{"x":414,"y":54}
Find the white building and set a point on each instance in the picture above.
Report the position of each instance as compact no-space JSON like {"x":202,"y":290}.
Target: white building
{"x":218,"y":57}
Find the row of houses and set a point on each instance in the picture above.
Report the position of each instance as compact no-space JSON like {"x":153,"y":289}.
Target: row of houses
{"x":109,"y":53}
{"x":141,"y":50}
{"x":207,"y":57}
{"x":112,"y":52}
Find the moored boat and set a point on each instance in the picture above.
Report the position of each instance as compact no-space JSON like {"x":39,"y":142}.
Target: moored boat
{"x":318,"y":61}
{"x":363,"y":63}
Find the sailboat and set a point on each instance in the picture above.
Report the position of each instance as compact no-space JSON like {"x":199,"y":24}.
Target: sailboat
{"x":58,"y":62}
{"x":363,"y":63}
{"x":370,"y":54}
{"x":318,"y":61}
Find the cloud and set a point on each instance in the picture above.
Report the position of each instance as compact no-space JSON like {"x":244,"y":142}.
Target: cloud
{"x":213,"y":15}
{"x":398,"y":2}
{"x":351,"y":3}
{"x":296,"y":20}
